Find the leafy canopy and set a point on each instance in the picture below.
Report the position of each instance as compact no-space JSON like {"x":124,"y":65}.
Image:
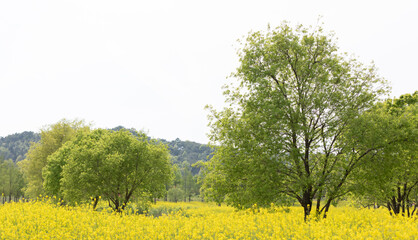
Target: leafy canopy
{"x":113,"y":165}
{"x":52,"y":138}
{"x":293,"y":97}
{"x":392,"y":175}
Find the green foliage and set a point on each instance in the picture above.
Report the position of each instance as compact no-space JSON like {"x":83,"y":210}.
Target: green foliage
{"x":188,"y":151}
{"x":114,"y":165}
{"x":158,"y":211}
{"x":184,"y":155}
{"x":52,"y":138}
{"x":390,"y":179}
{"x":175,"y":194}
{"x":182,"y":152}
{"x":213,"y":180}
{"x":16,"y":146}
{"x":11,"y":180}
{"x":184,"y":180}
{"x":281,"y":136}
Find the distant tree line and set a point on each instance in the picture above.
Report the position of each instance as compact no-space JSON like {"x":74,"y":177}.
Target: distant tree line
{"x":26,"y":169}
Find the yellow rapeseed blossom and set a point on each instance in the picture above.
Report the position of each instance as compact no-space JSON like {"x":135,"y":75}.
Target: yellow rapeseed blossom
{"x":42,"y":220}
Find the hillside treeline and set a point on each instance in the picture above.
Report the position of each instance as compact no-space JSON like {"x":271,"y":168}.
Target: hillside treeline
{"x":14,"y":184}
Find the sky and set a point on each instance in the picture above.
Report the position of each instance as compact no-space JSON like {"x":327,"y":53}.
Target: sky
{"x":154,"y":65}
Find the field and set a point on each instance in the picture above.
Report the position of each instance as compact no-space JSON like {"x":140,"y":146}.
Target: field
{"x":41,"y":220}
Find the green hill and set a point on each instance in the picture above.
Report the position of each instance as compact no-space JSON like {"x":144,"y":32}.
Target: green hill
{"x":16,"y":146}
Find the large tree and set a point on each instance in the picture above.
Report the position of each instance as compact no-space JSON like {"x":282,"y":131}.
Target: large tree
{"x":293,"y":97}
{"x":114,"y":165}
{"x":52,"y":138}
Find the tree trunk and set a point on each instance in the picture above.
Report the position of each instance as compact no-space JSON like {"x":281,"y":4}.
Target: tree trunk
{"x":389,"y":206}
{"x":307,"y":203}
{"x":318,"y":204}
{"x":403,"y":199}
{"x":96,"y":200}
{"x":399,"y":200}
{"x":327,"y":208}
{"x":117,"y":206}
{"x":407,"y":207}
{"x":413,"y":211}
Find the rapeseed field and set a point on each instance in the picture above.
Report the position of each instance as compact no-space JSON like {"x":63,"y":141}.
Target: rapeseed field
{"x":43,"y":220}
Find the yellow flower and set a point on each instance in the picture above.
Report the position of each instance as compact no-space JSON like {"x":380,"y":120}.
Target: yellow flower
{"x":196,"y":220}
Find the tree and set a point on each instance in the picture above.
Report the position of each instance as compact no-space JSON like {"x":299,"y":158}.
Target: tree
{"x":280,"y":137}
{"x":11,"y":180}
{"x":187,"y":181}
{"x":115,"y":165}
{"x":213,"y":181}
{"x":175,"y":194}
{"x":391,"y":177}
{"x":52,"y":138}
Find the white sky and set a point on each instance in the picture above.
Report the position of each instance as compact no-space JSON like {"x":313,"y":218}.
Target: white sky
{"x":154,"y":65}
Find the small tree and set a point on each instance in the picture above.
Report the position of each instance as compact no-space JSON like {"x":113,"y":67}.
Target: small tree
{"x":11,"y":180}
{"x":390,"y":179}
{"x":175,"y":194}
{"x":115,"y":165}
{"x":187,"y":181}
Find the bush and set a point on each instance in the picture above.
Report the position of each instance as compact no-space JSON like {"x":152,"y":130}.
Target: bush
{"x":175,"y":194}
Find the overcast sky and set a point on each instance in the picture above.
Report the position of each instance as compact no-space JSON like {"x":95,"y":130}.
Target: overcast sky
{"x":154,"y":65}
